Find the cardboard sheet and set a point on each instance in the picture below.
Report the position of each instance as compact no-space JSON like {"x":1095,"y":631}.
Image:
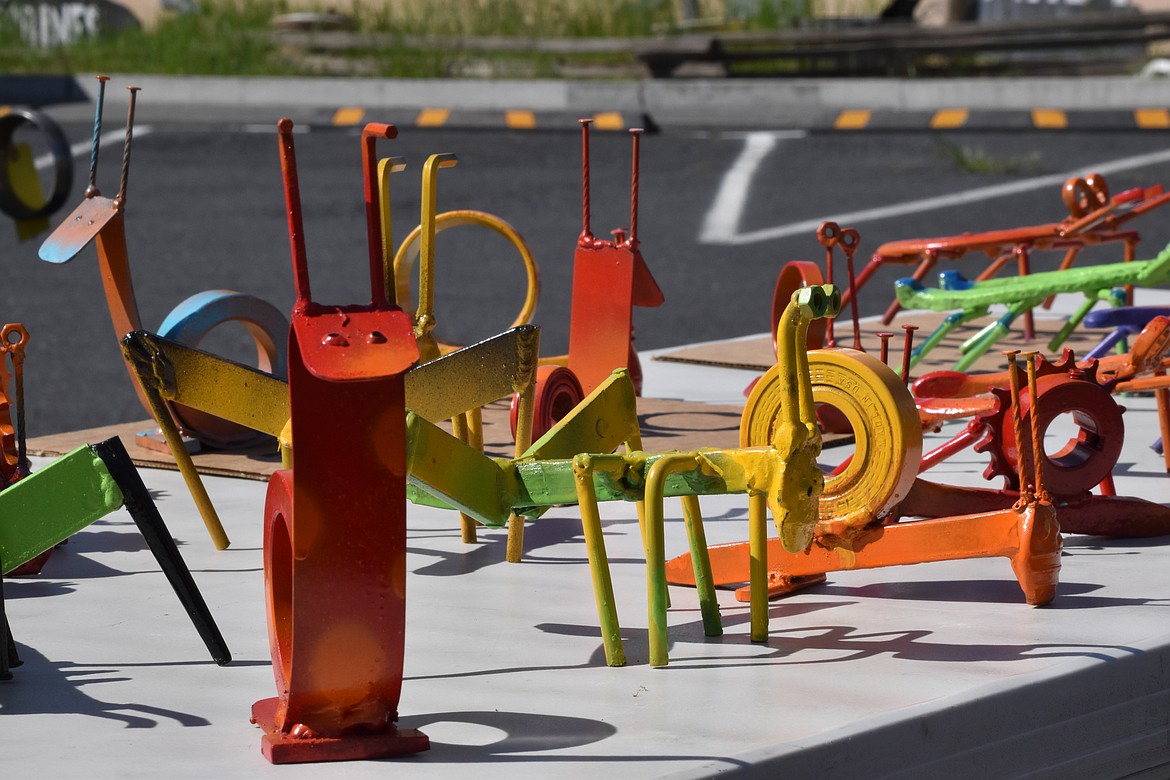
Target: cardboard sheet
{"x":755,"y":354}
{"x":666,"y":425}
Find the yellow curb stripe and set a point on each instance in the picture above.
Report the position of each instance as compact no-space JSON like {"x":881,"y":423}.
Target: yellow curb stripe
{"x":1049,"y":119}
{"x":520,"y":120}
{"x":855,"y":119}
{"x":348,"y":115}
{"x":1152,"y":118}
{"x":432,"y":117}
{"x":608,"y":120}
{"x":948,"y":118}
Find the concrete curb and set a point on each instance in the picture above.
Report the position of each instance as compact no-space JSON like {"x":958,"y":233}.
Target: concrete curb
{"x":677,"y":102}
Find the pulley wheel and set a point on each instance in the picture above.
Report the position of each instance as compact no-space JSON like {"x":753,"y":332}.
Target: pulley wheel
{"x":10,"y":202}
{"x":885,"y":425}
{"x":1089,"y":455}
{"x":557,"y":393}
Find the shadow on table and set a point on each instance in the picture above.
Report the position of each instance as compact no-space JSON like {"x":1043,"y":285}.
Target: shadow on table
{"x":526,"y":732}
{"x":44,"y":687}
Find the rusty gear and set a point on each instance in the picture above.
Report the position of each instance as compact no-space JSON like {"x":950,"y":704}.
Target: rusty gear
{"x":1087,"y":458}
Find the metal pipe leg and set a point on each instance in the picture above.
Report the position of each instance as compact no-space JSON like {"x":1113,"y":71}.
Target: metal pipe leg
{"x":611,"y":633}
{"x":8,"y":656}
{"x":697,"y":538}
{"x":758,"y":565}
{"x":145,"y":514}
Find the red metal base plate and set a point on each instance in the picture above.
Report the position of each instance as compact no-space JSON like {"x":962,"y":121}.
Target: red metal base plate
{"x":283,"y":749}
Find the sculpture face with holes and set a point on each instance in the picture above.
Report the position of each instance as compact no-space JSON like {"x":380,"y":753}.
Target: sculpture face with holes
{"x":101,"y":220}
{"x":335,"y":524}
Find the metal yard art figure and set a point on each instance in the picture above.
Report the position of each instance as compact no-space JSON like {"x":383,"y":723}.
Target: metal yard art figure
{"x":1094,"y":217}
{"x":42,"y":509}
{"x":101,"y":220}
{"x":780,"y":474}
{"x":610,"y":278}
{"x":860,"y":509}
{"x":970,"y":300}
{"x":335,"y":525}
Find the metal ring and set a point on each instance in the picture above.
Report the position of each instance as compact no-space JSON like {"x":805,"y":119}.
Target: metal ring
{"x":197,"y":316}
{"x":557,"y":393}
{"x":10,"y":202}
{"x":885,"y":425}
{"x":793,"y":276}
{"x":411,"y":245}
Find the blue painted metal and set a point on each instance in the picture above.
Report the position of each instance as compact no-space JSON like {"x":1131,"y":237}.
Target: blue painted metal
{"x":196,"y":316}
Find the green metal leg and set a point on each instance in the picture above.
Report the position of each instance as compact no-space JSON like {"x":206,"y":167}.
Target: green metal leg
{"x":976,"y":346}
{"x":697,"y":538}
{"x":611,"y":633}
{"x":1072,"y":324}
{"x":951,"y":322}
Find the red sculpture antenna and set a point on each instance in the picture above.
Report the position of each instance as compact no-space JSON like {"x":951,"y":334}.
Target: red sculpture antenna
{"x":636,"y":132}
{"x":370,"y":134}
{"x":586,"y":237}
{"x":292,"y":201}
{"x":120,"y":201}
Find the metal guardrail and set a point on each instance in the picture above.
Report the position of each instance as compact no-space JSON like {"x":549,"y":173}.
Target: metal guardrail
{"x":896,"y":48}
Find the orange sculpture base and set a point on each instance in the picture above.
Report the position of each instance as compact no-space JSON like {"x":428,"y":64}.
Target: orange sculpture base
{"x":1028,"y":537}
{"x":282,"y":748}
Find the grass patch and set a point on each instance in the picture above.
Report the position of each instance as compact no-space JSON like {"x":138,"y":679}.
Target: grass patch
{"x":235,"y":37}
{"x":216,"y":39}
{"x":977,"y":160}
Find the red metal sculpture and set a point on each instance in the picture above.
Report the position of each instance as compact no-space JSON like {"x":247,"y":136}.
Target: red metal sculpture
{"x":335,"y":524}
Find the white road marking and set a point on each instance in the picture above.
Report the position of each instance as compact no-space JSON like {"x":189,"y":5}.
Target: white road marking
{"x":721,"y":224}
{"x":81,"y":148}
{"x":722,"y":219}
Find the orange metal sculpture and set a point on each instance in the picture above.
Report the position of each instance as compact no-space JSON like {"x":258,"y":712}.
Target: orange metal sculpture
{"x":335,"y":524}
{"x":1094,"y":218}
{"x":859,"y":510}
{"x":101,"y":220}
{"x":610,"y":278}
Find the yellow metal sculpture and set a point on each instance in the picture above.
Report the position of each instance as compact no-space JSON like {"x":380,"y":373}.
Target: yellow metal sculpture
{"x":468,"y":425}
{"x":782,"y":476}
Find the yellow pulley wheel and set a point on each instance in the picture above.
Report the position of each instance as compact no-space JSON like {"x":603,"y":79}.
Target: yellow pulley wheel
{"x":885,"y":425}
{"x":409,"y":250}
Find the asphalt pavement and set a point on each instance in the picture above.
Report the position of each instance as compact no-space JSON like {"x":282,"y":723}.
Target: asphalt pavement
{"x":722,"y":205}
{"x":673,"y":103}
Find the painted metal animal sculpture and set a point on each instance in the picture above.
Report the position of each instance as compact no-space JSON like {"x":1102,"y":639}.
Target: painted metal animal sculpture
{"x":40,"y":510}
{"x":861,"y":502}
{"x":101,"y":220}
{"x":447,"y":387}
{"x":974,"y":299}
{"x":780,"y":475}
{"x":335,"y":524}
{"x":610,"y":278}
{"x":1094,"y":217}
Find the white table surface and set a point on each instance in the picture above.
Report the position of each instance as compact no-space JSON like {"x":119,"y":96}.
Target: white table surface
{"x":933,"y":670}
